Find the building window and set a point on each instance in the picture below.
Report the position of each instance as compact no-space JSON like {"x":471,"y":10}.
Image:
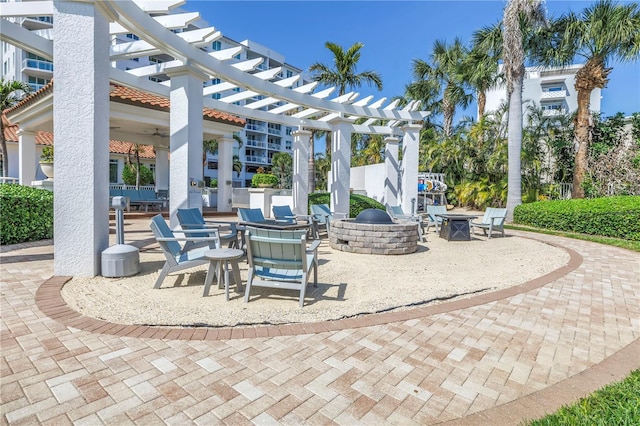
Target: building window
{"x":132,"y":36}
{"x":113,"y":171}
{"x":289,"y":73}
{"x":288,"y":131}
{"x":216,"y":45}
{"x":216,"y":96}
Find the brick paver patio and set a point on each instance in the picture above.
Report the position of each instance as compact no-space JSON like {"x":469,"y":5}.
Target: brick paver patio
{"x":494,"y":359}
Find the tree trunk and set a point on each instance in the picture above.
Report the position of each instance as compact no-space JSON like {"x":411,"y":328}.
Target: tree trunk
{"x":592,"y":75}
{"x":582,"y":132}
{"x":5,"y":156}
{"x":514,"y":147}
{"x":482,"y":103}
{"x":448,"y":110}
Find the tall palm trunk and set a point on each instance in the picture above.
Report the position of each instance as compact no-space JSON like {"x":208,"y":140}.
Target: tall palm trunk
{"x":3,"y":147}
{"x":482,"y":103}
{"x":592,"y":75}
{"x":448,"y":111}
{"x":514,"y":146}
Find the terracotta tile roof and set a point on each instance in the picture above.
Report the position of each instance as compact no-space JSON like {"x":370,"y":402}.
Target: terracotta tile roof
{"x":139,"y":98}
{"x":46,"y":138}
{"x":136,"y":97}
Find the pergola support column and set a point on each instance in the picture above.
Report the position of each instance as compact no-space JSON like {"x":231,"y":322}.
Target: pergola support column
{"x":391,"y":168}
{"x":225,"y":172}
{"x":80,"y":105}
{"x":409,"y":167}
{"x":162,"y":168}
{"x":300,"y":184}
{"x":340,"y":178}
{"x":186,"y":141}
{"x":26,"y":156}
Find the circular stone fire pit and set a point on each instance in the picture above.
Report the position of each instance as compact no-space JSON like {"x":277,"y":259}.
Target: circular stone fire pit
{"x":373,"y":232}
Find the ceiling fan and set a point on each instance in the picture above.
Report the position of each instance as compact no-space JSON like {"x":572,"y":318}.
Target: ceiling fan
{"x":155,"y":133}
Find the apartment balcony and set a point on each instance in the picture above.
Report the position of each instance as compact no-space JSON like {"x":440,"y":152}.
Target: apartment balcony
{"x":553,"y":112}
{"x":273,"y":147}
{"x":276,"y":132}
{"x":255,"y":128}
{"x":37,"y":22}
{"x":555,"y":94}
{"x":257,"y":144}
{"x":37,"y":68}
{"x":256,"y":159}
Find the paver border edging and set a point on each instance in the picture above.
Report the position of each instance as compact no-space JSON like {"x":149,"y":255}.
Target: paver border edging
{"x":538,"y":404}
{"x":49,"y":300}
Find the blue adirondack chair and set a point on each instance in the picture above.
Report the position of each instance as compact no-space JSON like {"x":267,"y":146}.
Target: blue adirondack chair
{"x":280,"y":259}
{"x":192,"y":219}
{"x":492,"y":220}
{"x":176,"y":257}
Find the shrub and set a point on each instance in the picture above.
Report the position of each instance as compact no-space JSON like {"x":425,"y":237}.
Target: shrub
{"x":129,"y":175}
{"x":213,"y":183}
{"x":26,"y":214}
{"x":264,"y":179}
{"x":617,"y":217}
{"x":357,"y":202}
{"x":47,"y":154}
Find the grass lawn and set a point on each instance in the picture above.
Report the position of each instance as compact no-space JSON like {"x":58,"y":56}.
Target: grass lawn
{"x":615,"y":404}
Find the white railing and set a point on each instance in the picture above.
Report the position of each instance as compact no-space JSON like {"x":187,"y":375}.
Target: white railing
{"x":123,"y":186}
{"x":37,"y":64}
{"x":273,"y":131}
{"x":4,"y":179}
{"x":257,"y":159}
{"x":553,"y":94}
{"x":255,"y":128}
{"x":553,"y":112}
{"x":565,"y":191}
{"x":258,"y":144}
{"x":273,"y":146}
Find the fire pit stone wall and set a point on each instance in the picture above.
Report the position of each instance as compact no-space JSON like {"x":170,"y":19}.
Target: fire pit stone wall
{"x":366,"y":238}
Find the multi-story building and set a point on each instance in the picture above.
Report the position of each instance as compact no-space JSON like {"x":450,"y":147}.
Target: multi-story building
{"x":260,"y":139}
{"x":20,"y":65}
{"x":552,"y":89}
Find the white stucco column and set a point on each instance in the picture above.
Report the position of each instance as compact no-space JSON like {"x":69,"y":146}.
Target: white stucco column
{"x":186,"y":141}
{"x":81,"y":128}
{"x":409,"y":167}
{"x":162,"y":168}
{"x":300,"y":184}
{"x":391,"y":168}
{"x":225,"y":172}
{"x":340,"y":166}
{"x":27,"y":156}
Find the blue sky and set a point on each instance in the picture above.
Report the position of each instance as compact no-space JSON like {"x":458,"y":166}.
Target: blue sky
{"x":394,"y":34}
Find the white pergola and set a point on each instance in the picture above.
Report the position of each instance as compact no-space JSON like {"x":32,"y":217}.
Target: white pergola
{"x":83,"y":54}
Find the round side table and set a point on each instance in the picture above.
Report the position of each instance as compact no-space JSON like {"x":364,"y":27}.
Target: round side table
{"x":223,"y":257}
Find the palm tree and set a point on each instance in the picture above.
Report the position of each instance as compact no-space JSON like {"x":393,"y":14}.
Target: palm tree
{"x":517,"y":14}
{"x":342,"y":74}
{"x":11,"y":92}
{"x":603,"y":33}
{"x":447,"y":68}
{"x":481,"y":65}
{"x":281,"y":166}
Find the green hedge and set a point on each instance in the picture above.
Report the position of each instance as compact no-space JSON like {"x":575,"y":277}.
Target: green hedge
{"x":617,"y":217}
{"x":26,"y":214}
{"x":357,"y":202}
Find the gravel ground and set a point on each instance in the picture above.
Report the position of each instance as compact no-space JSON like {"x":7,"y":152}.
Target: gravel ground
{"x":348,"y":285}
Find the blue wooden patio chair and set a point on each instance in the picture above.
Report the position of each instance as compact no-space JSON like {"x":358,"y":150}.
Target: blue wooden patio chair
{"x":280,"y":259}
{"x":192,"y":219}
{"x":398,"y":214}
{"x":284,"y":213}
{"x":492,"y":220}
{"x":434,"y":220}
{"x":176,"y":258}
{"x":323,"y":215}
